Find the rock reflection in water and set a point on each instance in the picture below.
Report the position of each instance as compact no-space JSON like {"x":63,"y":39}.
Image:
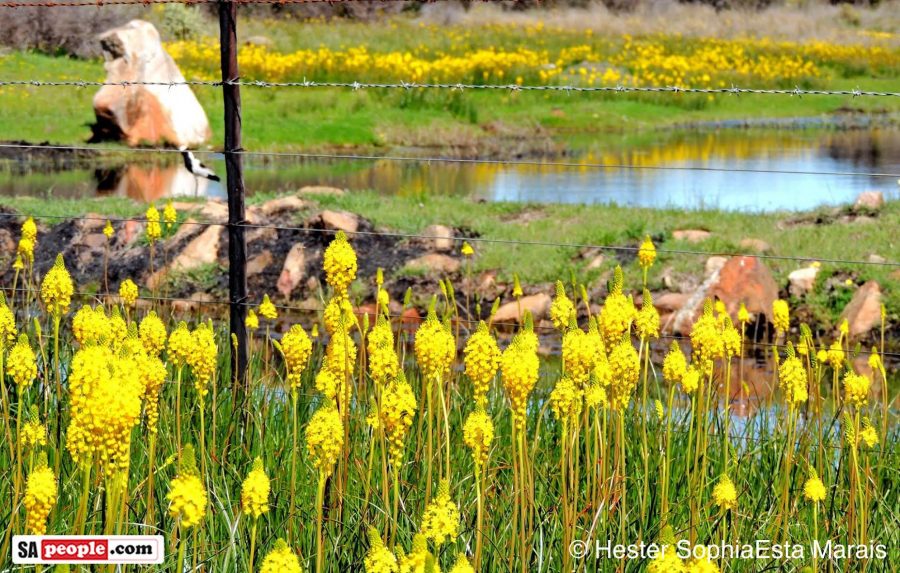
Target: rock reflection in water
{"x":152,"y":183}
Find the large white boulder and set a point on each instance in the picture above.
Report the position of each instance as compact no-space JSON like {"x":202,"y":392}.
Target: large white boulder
{"x":156,"y":114}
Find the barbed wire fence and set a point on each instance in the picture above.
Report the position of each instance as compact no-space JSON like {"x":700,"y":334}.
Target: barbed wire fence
{"x":231,"y":83}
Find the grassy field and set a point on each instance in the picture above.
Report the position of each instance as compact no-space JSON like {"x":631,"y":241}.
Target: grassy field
{"x":420,"y":50}
{"x":364,"y":467}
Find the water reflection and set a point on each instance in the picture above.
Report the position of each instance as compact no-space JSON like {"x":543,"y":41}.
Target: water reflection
{"x":868,"y":151}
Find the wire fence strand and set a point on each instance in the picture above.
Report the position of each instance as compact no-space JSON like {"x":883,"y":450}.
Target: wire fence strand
{"x":357,"y":85}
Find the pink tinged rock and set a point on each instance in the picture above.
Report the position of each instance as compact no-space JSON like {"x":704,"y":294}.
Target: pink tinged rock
{"x":293,"y":270}
{"x":281,"y":205}
{"x":870,"y":200}
{"x":155,"y":114}
{"x":202,"y":250}
{"x":538,"y":304}
{"x":745,"y":279}
{"x":339,"y":221}
{"x":863,"y":312}
{"x":259,"y":263}
{"x":442,"y":237}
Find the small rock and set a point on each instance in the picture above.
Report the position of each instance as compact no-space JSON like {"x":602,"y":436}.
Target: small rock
{"x":214,"y":212}
{"x":802,"y":280}
{"x":863,"y":312}
{"x":595,"y":263}
{"x":870,"y":200}
{"x":293,"y":270}
{"x":90,"y":222}
{"x":691,"y":235}
{"x":188,"y":228}
{"x":538,"y":304}
{"x":679,"y":282}
{"x":755,"y":245}
{"x":320,"y":190}
{"x":203,"y":249}
{"x":129,"y":232}
{"x":265,"y":234}
{"x":715,"y":264}
{"x":282,"y":204}
{"x":339,"y":220}
{"x":7,"y":243}
{"x":93,"y":241}
{"x":442,"y":237}
{"x":877,"y":259}
{"x":259,"y":263}
{"x":434,"y":263}
{"x":670,"y":301}
{"x":745,"y":279}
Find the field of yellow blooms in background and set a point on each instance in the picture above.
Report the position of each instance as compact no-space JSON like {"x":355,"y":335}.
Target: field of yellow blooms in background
{"x":447,"y":444}
{"x":538,"y":54}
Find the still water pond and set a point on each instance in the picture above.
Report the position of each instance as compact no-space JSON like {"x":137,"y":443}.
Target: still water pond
{"x":864,"y":152}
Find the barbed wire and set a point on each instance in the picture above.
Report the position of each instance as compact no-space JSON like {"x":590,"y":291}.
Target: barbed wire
{"x":357,"y":311}
{"x":356,"y":85}
{"x":490,"y":240}
{"x":456,"y":160}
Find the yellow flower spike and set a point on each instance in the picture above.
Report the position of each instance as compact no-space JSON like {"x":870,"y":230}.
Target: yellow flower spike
{"x":868,"y":435}
{"x":435,"y":347}
{"x":266,"y":309}
{"x":187,"y":496}
{"x":845,"y":327}
{"x":398,"y":407}
{"x":315,"y":331}
{"x":625,"y":365}
{"x":674,"y":364}
{"x":325,"y":438}
{"x":202,"y":358}
{"x":153,"y":376}
{"x":706,"y":341}
{"x":467,"y":250}
{"x":667,"y":561}
{"x":647,"y":253}
{"x":482,"y":360}
{"x":281,"y":560}
{"x":18,"y":265}
{"x":29,"y":230}
{"x":180,"y":345}
{"x":647,"y":319}
{"x":440,"y":521}
{"x":743,"y":314}
{"x":383,"y":361}
{"x":153,"y":334}
{"x":520,"y":367}
{"x":57,"y":288}
{"x":327,"y":383}
{"x":562,"y":310}
{"x":296,"y":347}
{"x":618,"y":312}
{"x":566,"y":400}
{"x":7,"y":325}
{"x":690,"y":381}
{"x":170,"y":215}
{"x":660,"y":411}
{"x":40,"y":497}
{"x":781,"y":318}
{"x":792,"y":379}
{"x":128,"y":292}
{"x":856,"y":389}
{"x":579,"y":355}
{"x":339,"y":262}
{"x":478,"y":435}
{"x":462,"y":565}
{"x":21,"y":363}
{"x":255,"y":491}
{"x":725,"y":494}
{"x":154,"y":230}
{"x":379,"y":559}
{"x":517,"y":287}
{"x":108,"y":230}
{"x":379,"y":277}
{"x":34,"y":433}
{"x":814,"y":490}
{"x":835,"y":355}
{"x":25,"y":250}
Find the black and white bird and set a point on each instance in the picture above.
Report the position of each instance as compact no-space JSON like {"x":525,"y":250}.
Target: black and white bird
{"x":197,"y":168}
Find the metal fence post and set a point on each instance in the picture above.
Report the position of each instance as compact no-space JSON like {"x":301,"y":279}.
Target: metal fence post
{"x":237,"y":244}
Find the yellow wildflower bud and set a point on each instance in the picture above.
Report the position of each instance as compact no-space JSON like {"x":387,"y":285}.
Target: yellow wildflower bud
{"x":440,"y":522}
{"x":128,"y":292}
{"x":814,"y":490}
{"x":21,"y":364}
{"x":674,"y":365}
{"x":467,"y":249}
{"x":25,"y":250}
{"x":325,"y":438}
{"x":108,"y":230}
{"x":180,"y":345}
{"x":296,"y":348}
{"x":482,"y":359}
{"x":725,"y":494}
{"x":398,"y":406}
{"x":281,"y":560}
{"x":170,"y":215}
{"x":18,"y":265}
{"x":690,"y":381}
{"x":856,"y":389}
{"x":520,"y":366}
{"x":266,"y":309}
{"x":252,"y":321}
{"x":868,"y":436}
{"x":647,"y":320}
{"x":478,"y":434}
{"x":781,"y":315}
{"x":29,"y":229}
{"x":153,"y":334}
{"x":462,"y":565}
{"x":626,"y":367}
{"x":383,"y":361}
{"x":7,"y":325}
{"x":154,"y":231}
{"x":517,"y":287}
{"x":40,"y":497}
{"x":566,"y":399}
{"x":562,"y":310}
{"x":202,"y":358}
{"x":57,"y":288}
{"x":579,"y":355}
{"x":618,"y":312}
{"x":255,"y":491}
{"x":792,"y":378}
{"x":743,"y":315}
{"x":435,"y":347}
{"x":339,"y":262}
{"x":379,"y":559}
{"x":647,"y":253}
{"x":187,"y":496}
